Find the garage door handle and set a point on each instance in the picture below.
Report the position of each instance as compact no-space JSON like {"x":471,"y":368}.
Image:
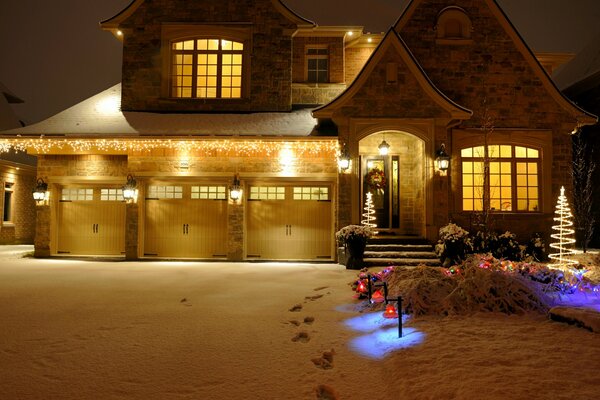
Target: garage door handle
{"x":290,"y":230}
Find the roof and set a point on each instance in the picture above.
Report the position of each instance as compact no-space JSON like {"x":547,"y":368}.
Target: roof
{"x":571,"y":108}
{"x":392,"y":39}
{"x":100,"y":116}
{"x":584,"y":66}
{"x":10,"y":96}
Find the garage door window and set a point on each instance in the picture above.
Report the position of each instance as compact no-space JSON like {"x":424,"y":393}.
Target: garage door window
{"x":80,"y":194}
{"x":165,"y":192}
{"x":111,"y":195}
{"x":267,"y":193}
{"x":209,"y":192}
{"x":311,"y":193}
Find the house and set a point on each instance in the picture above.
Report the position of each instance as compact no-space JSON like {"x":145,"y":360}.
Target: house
{"x":17,"y":180}
{"x":218,"y":97}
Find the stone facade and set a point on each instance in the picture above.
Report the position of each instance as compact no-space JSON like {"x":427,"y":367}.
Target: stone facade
{"x":335,"y":47}
{"x":21,"y":227}
{"x":269,"y":53}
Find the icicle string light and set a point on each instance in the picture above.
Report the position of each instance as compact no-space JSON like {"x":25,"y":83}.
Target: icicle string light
{"x":564,"y":235}
{"x":248,"y":148}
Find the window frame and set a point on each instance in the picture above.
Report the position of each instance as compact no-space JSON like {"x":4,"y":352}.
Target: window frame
{"x":8,"y":197}
{"x":308,"y":57}
{"x":172,"y":33}
{"x":513,"y":160}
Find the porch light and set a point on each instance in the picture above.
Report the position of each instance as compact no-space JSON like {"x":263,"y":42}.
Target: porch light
{"x":40,"y":193}
{"x":442,"y":159}
{"x":344,"y":159}
{"x":235,"y":190}
{"x":384,"y":148}
{"x":130,"y":189}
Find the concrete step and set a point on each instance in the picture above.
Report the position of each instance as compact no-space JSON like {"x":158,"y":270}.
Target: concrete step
{"x":399,"y":247}
{"x":409,"y":262}
{"x":400,"y":254}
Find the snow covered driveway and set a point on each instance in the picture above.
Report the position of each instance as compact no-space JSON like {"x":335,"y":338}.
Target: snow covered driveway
{"x":172,"y":330}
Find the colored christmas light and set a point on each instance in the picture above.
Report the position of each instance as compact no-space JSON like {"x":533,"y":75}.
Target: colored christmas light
{"x":390,"y":311}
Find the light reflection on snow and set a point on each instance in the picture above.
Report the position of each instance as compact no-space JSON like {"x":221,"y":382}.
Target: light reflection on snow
{"x":383,"y":337}
{"x":577,"y":299}
{"x":384,"y":341}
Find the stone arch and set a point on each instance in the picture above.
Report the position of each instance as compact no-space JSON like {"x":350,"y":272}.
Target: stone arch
{"x":453,"y":23}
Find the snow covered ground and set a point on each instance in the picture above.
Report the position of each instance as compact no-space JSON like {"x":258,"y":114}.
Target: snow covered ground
{"x":155,"y":330}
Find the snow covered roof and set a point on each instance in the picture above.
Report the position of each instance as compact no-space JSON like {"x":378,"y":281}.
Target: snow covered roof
{"x":100,"y":115}
{"x":584,"y":66}
{"x":10,"y":96}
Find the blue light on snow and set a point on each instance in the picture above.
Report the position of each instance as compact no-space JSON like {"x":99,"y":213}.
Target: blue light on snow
{"x":383,"y":338}
{"x":384,"y":341}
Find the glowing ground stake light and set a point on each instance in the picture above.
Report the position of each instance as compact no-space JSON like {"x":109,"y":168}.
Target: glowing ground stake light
{"x":390,"y":312}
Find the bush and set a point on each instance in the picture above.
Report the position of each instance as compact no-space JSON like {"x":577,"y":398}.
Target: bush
{"x":454,"y":244}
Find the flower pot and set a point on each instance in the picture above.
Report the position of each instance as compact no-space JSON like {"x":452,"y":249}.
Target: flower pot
{"x":356,"y":250}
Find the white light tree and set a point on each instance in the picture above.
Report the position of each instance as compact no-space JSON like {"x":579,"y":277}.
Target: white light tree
{"x":369,"y":214}
{"x":564,"y":235}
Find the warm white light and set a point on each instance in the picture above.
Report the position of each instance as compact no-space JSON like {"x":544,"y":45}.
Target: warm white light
{"x":119,"y":33}
{"x":384,"y":148}
{"x":344,"y":163}
{"x":369,"y":164}
{"x":235,"y":193}
{"x":369,"y":40}
{"x":286,"y":156}
{"x":109,"y":105}
{"x":350,"y":33}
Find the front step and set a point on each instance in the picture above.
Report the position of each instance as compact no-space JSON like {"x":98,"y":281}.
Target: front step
{"x":399,"y":251}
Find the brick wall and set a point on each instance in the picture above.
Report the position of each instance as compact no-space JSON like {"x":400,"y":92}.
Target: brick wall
{"x":271,"y":54}
{"x":335,"y":45}
{"x":356,"y":58}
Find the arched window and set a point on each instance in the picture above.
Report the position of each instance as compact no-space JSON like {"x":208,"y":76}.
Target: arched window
{"x":207,"y":69}
{"x":453,"y":24}
{"x":514,"y":181}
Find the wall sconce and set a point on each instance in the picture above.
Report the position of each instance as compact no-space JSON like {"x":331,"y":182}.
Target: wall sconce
{"x":384,"y":148}
{"x":235,"y":190}
{"x":130,"y":191}
{"x":344,"y":159}
{"x":40,"y":193}
{"x":442,"y":159}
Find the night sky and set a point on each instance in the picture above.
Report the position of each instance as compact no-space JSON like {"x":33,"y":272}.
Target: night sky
{"x":53,"y":53}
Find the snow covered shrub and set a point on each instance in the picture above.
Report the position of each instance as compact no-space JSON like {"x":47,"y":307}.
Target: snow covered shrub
{"x":507,"y":247}
{"x":454,"y":244}
{"x":535,"y":248}
{"x":352,"y":233}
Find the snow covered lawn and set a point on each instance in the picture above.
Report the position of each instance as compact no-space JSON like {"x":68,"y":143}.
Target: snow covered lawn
{"x":152,"y":330}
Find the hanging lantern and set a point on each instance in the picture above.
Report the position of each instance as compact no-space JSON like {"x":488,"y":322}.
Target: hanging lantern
{"x":384,"y":148}
{"x":390,"y":311}
{"x":344,"y":159}
{"x":442,"y":159}
{"x":40,"y":193}
{"x":235,"y":190}
{"x":130,"y":189}
{"x":377,"y":297}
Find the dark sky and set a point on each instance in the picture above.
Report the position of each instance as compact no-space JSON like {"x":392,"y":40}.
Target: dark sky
{"x":53,"y":53}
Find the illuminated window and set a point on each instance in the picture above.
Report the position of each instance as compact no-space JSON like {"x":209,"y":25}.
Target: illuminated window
{"x":208,"y":193}
{"x":311,"y":193}
{"x":206,"y":69}
{"x":165,"y":192}
{"x":8,"y":202}
{"x":317,"y":65}
{"x":77,"y":194}
{"x":267,"y":193}
{"x":513,"y":178}
{"x":111,"y":195}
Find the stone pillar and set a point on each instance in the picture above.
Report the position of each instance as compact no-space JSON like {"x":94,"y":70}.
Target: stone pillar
{"x":42,"y":231}
{"x":131,"y":231}
{"x":235,"y":229}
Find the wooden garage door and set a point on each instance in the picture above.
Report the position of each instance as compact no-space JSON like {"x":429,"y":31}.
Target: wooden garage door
{"x":289,"y":223}
{"x":186,"y":221}
{"x":91,"y":221}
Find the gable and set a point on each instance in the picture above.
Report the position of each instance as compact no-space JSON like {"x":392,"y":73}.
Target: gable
{"x":495,"y":66}
{"x":392,"y":84}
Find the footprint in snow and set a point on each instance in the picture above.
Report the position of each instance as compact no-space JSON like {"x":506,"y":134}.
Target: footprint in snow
{"x":313,"y":298}
{"x":296,"y":308}
{"x":325,"y":361}
{"x":325,"y":392}
{"x":301,"y":337}
{"x":309,"y":320}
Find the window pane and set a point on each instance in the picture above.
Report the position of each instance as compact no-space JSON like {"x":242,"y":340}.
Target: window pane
{"x":506,"y":151}
{"x":467,"y":152}
{"x":520,"y":152}
{"x":532,"y":153}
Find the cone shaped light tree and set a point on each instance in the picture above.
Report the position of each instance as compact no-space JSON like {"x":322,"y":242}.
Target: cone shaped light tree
{"x":369,"y":214}
{"x":563,"y":235}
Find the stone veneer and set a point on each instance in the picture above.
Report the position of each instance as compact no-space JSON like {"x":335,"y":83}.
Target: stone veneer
{"x":270,"y":54}
{"x":22,"y":227}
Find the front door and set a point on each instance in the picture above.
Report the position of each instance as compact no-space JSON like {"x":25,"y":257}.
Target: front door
{"x":380,"y":177}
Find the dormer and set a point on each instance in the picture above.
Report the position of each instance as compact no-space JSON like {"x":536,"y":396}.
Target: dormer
{"x":453,"y":26}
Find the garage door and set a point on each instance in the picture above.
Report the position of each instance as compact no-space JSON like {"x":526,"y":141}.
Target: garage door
{"x":186,"y":221}
{"x":289,"y":222}
{"x":91,"y":221}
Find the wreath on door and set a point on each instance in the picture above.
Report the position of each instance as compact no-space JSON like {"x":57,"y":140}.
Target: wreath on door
{"x":376,"y":179}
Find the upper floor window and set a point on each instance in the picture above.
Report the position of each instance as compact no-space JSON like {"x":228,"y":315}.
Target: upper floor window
{"x":453,"y":25}
{"x":317,"y":64}
{"x":513,"y":172}
{"x":207,"y":69}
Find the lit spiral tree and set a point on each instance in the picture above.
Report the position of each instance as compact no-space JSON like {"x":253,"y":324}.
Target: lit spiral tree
{"x":564,"y":235}
{"x":369,"y":214}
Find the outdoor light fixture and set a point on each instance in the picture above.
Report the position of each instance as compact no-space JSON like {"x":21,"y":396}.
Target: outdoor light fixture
{"x":442,"y":159}
{"x":344,"y":159}
{"x":40,"y":193}
{"x":235,"y":190}
{"x":130,"y":189}
{"x":390,"y":311}
{"x":384,"y":148}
